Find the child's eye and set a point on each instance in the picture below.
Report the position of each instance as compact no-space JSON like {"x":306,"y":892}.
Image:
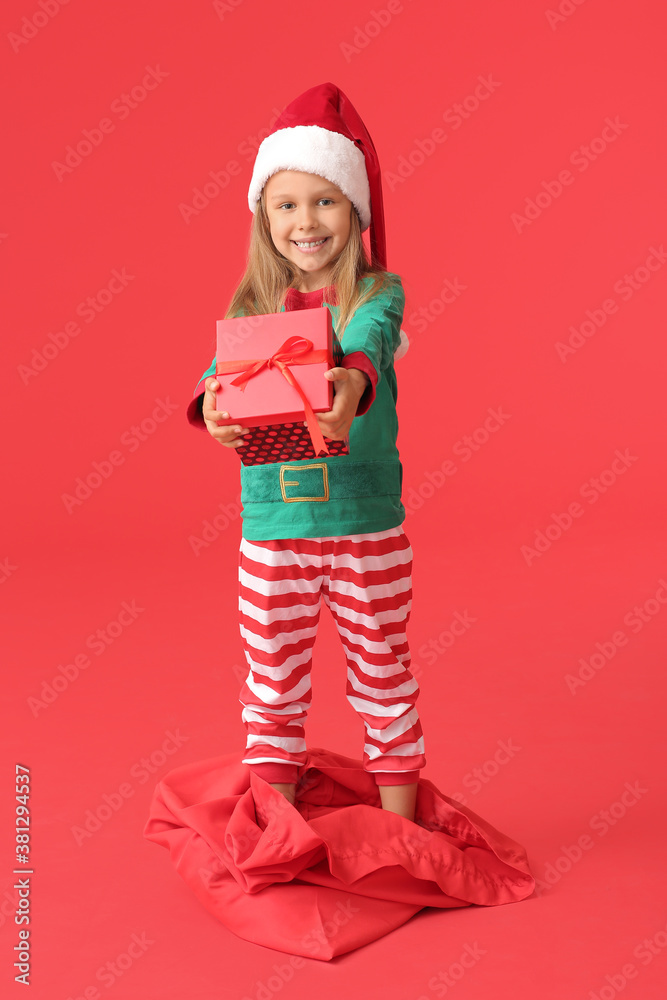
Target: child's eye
{"x":291,"y":203}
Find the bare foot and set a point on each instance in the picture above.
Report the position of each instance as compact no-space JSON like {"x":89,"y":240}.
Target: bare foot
{"x":288,"y":789}
{"x":400,"y":799}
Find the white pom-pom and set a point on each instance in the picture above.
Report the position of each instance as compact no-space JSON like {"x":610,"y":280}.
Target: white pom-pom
{"x":402,"y":347}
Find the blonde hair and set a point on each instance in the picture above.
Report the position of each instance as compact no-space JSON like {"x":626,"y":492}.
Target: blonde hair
{"x":269,"y":275}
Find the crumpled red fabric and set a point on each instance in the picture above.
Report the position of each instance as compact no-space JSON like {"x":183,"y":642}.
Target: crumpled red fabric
{"x":335,"y":871}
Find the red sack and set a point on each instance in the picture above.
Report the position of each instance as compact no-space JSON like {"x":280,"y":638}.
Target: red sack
{"x":335,"y":871}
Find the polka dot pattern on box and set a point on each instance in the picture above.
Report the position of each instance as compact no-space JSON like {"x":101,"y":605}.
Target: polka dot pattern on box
{"x":283,"y":443}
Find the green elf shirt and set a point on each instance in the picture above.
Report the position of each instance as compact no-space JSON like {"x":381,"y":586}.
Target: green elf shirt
{"x":342,"y":494}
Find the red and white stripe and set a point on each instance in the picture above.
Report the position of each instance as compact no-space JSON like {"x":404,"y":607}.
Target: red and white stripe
{"x":365,"y":581}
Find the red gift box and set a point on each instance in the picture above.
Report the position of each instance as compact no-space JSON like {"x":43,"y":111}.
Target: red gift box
{"x":270,"y":367}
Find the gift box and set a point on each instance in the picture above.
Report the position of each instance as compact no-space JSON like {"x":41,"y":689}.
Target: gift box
{"x":271,"y":370}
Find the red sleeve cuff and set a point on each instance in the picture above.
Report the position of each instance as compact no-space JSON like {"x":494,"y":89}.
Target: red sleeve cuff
{"x":276,"y":771}
{"x":363,"y":363}
{"x":395,"y":777}
{"x":194,"y":410}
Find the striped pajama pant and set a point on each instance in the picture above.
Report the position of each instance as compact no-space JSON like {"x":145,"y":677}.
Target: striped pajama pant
{"x":366,"y":583}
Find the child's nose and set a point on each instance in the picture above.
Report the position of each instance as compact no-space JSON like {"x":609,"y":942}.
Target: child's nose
{"x":307,"y":215}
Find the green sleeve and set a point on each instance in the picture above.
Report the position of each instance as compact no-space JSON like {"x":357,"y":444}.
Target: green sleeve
{"x":375,"y":328}
{"x":209,"y":371}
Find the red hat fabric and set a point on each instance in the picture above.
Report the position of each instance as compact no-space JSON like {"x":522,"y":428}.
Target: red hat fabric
{"x":321,"y":132}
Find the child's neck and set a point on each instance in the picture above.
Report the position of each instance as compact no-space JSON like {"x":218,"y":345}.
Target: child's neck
{"x":314,"y":282}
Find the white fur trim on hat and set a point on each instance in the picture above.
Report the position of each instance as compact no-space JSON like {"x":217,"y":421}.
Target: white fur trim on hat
{"x":315,"y":150}
{"x":402,"y":347}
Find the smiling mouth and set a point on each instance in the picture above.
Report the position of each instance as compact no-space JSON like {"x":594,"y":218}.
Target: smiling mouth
{"x":308,"y":244}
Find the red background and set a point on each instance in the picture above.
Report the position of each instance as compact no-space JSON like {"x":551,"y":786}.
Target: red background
{"x":176,"y":666}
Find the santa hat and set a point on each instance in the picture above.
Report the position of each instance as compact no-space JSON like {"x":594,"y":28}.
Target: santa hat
{"x":320,"y":132}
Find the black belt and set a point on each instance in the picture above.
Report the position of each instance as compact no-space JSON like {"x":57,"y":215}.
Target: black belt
{"x":319,"y":481}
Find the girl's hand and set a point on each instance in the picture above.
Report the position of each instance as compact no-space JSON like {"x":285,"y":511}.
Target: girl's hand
{"x":349,"y":386}
{"x":227,"y":434}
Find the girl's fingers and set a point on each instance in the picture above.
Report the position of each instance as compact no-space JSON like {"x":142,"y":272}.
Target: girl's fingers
{"x":236,"y":443}
{"x":215,"y":414}
{"x":326,"y":416}
{"x":233,"y":433}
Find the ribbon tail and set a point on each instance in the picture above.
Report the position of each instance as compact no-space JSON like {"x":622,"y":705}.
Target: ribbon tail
{"x":316,"y":437}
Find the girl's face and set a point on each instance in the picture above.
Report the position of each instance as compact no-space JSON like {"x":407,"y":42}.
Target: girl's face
{"x":309,"y":218}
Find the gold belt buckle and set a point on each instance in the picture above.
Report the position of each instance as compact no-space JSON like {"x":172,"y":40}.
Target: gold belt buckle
{"x":295,"y":482}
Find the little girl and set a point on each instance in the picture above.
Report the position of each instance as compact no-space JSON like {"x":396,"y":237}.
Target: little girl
{"x":331,"y":528}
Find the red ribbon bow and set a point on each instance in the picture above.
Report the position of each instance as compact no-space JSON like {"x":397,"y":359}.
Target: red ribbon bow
{"x":293,"y":351}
